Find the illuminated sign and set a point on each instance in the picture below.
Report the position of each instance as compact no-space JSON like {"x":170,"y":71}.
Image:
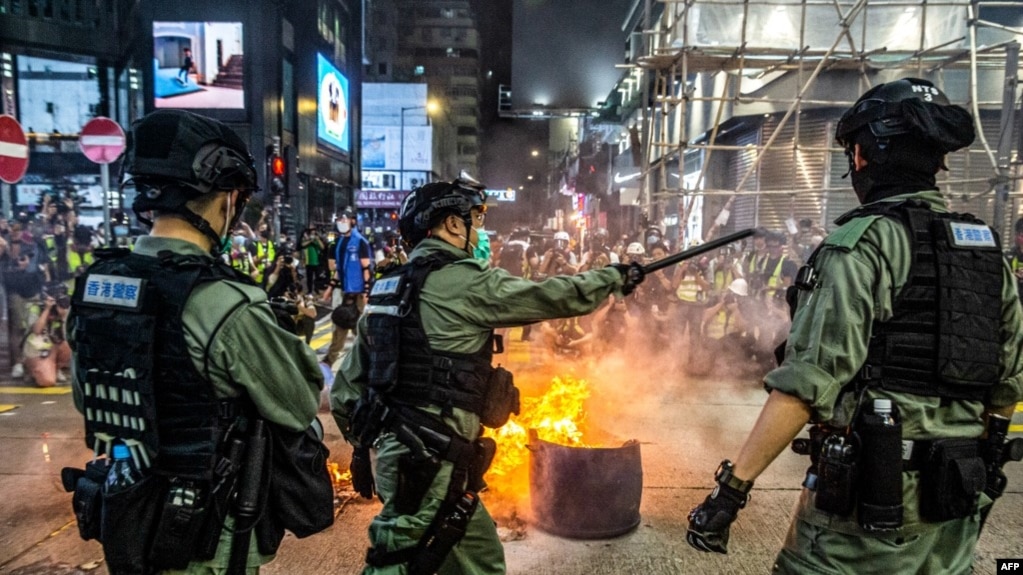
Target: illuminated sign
{"x":198,"y":65}
{"x":502,"y":195}
{"x":331,"y":105}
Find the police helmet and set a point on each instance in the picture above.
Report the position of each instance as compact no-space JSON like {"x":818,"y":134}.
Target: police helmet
{"x":173,"y":156}
{"x":907,"y":106}
{"x":635,"y":249}
{"x":426,"y":205}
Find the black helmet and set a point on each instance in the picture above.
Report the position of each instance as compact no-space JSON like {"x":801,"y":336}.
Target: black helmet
{"x":907,"y":106}
{"x":174,"y":156}
{"x":424,"y":206}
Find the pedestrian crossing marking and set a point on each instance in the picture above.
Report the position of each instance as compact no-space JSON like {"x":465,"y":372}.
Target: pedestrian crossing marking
{"x":5,"y":407}
{"x":17,"y":390}
{"x":321,"y":336}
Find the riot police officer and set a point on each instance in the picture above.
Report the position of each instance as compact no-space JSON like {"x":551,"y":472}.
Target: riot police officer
{"x":418,"y":382}
{"x":899,"y":476}
{"x":176,"y":357}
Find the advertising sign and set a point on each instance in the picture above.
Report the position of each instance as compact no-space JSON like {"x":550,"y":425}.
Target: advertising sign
{"x":331,"y":105}
{"x":379,"y":198}
{"x":382,"y":149}
{"x":198,"y":65}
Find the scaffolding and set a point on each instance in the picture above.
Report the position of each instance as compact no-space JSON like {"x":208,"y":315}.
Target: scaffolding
{"x":745,"y":94}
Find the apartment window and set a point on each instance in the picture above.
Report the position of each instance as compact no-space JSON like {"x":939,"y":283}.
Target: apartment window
{"x":382,"y":68}
{"x":445,"y":32}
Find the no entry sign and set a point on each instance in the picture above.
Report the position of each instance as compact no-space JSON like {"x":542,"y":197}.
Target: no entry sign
{"x":102,"y":140}
{"x":13,"y":150}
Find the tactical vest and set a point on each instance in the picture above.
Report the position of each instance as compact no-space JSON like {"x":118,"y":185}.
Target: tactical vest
{"x":402,"y":365}
{"x":943,"y":337}
{"x":138,"y":380}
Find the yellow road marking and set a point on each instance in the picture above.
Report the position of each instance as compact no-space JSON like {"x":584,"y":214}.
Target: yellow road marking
{"x":1018,"y":428}
{"x":321,"y":336}
{"x":35,"y":390}
{"x":1019,"y":408}
{"x":5,"y":407}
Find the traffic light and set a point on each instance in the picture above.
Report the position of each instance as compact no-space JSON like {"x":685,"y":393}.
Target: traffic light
{"x":276,"y":172}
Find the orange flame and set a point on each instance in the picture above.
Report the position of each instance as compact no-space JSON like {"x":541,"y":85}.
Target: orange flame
{"x":338,"y":477}
{"x":557,"y":416}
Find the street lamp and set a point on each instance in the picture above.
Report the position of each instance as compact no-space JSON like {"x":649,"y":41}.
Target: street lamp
{"x":430,"y":107}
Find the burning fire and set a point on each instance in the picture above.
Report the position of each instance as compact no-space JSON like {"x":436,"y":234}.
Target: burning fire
{"x":557,"y":416}
{"x":337,"y":477}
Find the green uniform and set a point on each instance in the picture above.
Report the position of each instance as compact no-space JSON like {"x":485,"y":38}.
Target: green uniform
{"x":250,"y":355}
{"x":864,"y":265}
{"x":460,"y":305}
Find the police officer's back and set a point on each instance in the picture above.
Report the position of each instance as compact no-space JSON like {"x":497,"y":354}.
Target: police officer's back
{"x":178,"y":362}
{"x":905,"y":342}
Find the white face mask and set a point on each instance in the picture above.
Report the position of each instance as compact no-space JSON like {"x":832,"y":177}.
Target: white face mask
{"x":343,"y":227}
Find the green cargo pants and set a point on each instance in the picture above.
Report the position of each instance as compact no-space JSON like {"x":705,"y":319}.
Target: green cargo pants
{"x":813,"y":550}
{"x":479,"y":552}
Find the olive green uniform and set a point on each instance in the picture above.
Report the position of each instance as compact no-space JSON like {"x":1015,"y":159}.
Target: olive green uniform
{"x":249,"y":354}
{"x":460,"y":305}
{"x":862,"y":268}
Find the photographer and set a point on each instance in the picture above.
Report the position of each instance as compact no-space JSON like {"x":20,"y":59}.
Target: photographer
{"x":45,"y":347}
{"x":283,"y":277}
{"x":312,"y":247}
{"x":558,"y":260}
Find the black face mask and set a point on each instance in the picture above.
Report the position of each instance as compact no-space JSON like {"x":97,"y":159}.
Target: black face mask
{"x":900,"y":169}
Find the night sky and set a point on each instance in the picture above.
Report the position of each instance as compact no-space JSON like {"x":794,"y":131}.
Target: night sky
{"x":564,"y":51}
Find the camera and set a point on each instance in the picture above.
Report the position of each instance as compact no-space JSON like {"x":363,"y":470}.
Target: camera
{"x":288,"y":260}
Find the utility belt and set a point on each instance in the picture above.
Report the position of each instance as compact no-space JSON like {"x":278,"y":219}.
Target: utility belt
{"x":160,"y":522}
{"x":860,"y":470}
{"x":430,"y":442}
{"x":155,"y":524}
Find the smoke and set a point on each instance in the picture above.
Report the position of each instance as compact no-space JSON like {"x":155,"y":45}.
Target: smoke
{"x":638,"y":368}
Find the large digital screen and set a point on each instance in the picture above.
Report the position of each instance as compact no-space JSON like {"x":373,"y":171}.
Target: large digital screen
{"x":331,"y":104}
{"x":198,"y":65}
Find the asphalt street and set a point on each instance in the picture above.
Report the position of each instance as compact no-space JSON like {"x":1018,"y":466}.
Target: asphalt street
{"x":685,"y":426}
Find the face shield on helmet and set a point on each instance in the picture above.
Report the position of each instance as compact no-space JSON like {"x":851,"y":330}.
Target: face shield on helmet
{"x":562,"y":240}
{"x":424,"y":207}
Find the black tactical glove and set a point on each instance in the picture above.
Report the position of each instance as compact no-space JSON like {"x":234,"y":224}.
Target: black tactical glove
{"x":709,"y":522}
{"x":632,"y":276}
{"x":362,"y":472}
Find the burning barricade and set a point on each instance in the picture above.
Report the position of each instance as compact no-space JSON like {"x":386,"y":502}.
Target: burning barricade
{"x":574,"y":489}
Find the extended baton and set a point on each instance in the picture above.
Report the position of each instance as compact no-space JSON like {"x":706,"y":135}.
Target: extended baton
{"x":693,"y":252}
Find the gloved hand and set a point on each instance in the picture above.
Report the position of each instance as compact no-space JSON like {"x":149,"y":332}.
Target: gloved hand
{"x":362,"y":473}
{"x":632,"y":276}
{"x":710,"y":521}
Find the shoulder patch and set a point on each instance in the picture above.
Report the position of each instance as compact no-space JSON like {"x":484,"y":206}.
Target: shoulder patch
{"x":111,"y":290}
{"x":965,"y":235}
{"x":849,"y":234}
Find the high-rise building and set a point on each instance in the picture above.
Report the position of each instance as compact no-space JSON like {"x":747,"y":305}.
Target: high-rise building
{"x":435,"y":42}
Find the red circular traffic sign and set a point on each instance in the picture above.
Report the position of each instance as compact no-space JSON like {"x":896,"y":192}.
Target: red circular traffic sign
{"x":101,"y":140}
{"x":13,"y":150}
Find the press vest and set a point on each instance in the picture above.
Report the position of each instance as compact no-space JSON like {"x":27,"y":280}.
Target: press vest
{"x":688,"y":289}
{"x":140,"y":384}
{"x":774,"y":280}
{"x":943,"y":337}
{"x":403,"y":367}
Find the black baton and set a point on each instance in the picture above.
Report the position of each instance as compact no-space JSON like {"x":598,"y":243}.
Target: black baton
{"x":700,"y":249}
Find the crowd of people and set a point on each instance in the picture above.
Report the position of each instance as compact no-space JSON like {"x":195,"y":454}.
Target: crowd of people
{"x":725,"y":308}
{"x":904,"y":355}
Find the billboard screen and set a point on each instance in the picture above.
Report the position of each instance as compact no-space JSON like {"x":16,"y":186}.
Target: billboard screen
{"x":198,"y":65}
{"x":331,"y":104}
